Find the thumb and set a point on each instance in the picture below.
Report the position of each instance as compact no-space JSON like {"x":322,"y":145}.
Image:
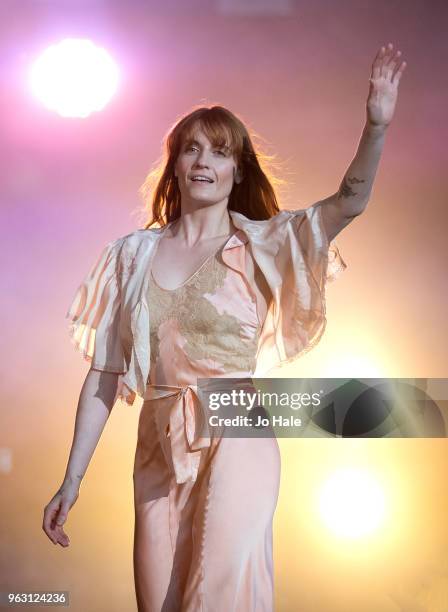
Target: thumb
{"x":372,"y":88}
{"x":62,"y":516}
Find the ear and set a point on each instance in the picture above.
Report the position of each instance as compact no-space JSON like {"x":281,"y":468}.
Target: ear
{"x":238,"y":177}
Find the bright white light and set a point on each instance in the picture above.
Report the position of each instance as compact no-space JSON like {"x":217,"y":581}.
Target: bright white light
{"x":351,"y":503}
{"x":74,"y":77}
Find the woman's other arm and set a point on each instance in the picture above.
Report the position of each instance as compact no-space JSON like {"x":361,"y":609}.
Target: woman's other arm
{"x":356,"y":186}
{"x":95,"y":403}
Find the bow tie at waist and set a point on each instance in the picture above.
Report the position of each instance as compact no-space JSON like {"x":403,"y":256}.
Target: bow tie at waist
{"x":181,"y":418}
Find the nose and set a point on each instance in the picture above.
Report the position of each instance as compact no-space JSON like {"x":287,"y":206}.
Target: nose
{"x":201,"y":159}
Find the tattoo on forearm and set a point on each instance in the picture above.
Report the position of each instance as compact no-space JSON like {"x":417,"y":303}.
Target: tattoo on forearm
{"x":345,"y":189}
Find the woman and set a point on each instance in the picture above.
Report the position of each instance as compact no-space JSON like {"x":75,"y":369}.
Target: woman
{"x":227,"y":286}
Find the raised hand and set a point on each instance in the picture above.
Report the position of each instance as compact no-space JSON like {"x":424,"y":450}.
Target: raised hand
{"x":384,"y":79}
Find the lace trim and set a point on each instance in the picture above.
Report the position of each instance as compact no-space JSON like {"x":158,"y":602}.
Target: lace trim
{"x":209,"y":334}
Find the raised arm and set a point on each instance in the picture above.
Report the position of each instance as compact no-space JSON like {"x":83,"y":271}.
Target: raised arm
{"x":354,"y":192}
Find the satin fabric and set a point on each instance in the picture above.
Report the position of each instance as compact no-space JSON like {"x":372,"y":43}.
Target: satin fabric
{"x":198,"y":545}
{"x":182,"y":420}
{"x":110,"y":319}
{"x":204,"y":502}
{"x":206,"y":544}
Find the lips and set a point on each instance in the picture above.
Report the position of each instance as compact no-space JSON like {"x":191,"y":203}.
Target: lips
{"x":201,"y":178}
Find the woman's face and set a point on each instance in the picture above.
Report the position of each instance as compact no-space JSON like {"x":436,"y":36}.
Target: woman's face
{"x":199,"y":157}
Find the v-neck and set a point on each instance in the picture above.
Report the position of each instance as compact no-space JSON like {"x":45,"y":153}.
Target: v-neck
{"x":203,"y":264}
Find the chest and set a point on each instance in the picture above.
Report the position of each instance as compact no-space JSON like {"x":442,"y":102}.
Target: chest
{"x":173,"y":266}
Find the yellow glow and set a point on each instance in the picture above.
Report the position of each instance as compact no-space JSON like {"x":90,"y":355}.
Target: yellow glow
{"x":351,"y":503}
{"x":74,"y":78}
{"x":354,"y":366}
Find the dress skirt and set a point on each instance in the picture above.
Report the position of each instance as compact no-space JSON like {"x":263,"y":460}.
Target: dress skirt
{"x":203,"y":544}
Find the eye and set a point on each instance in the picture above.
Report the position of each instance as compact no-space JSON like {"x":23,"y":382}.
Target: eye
{"x":221,"y":151}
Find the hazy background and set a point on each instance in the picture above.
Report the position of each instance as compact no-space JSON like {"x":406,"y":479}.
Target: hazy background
{"x":297,"y":74}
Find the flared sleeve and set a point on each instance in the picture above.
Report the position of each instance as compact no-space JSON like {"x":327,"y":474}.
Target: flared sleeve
{"x":315,"y":262}
{"x":323,"y":257}
{"x":95,"y":311}
{"x":304,"y":263}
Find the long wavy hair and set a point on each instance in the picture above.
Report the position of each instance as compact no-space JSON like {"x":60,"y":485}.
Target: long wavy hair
{"x":254,"y":197}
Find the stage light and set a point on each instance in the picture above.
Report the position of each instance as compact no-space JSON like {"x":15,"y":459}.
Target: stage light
{"x":74,"y":78}
{"x":351,"y":503}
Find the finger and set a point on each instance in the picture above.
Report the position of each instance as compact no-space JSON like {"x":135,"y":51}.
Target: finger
{"x":375,"y":62}
{"x":386,"y":60}
{"x":62,"y":537}
{"x":54,"y":534}
{"x":376,"y":73}
{"x":49,"y":515}
{"x":376,"y":69}
{"x":62,"y":516}
{"x":391,"y":65}
{"x":51,"y":532}
{"x":397,"y":75}
{"x":57,"y":512}
{"x":51,"y":535}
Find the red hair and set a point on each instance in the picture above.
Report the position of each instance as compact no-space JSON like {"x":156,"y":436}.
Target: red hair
{"x":254,"y":197}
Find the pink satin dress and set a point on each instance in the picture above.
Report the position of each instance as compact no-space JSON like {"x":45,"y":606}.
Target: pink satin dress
{"x":204,"y":507}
